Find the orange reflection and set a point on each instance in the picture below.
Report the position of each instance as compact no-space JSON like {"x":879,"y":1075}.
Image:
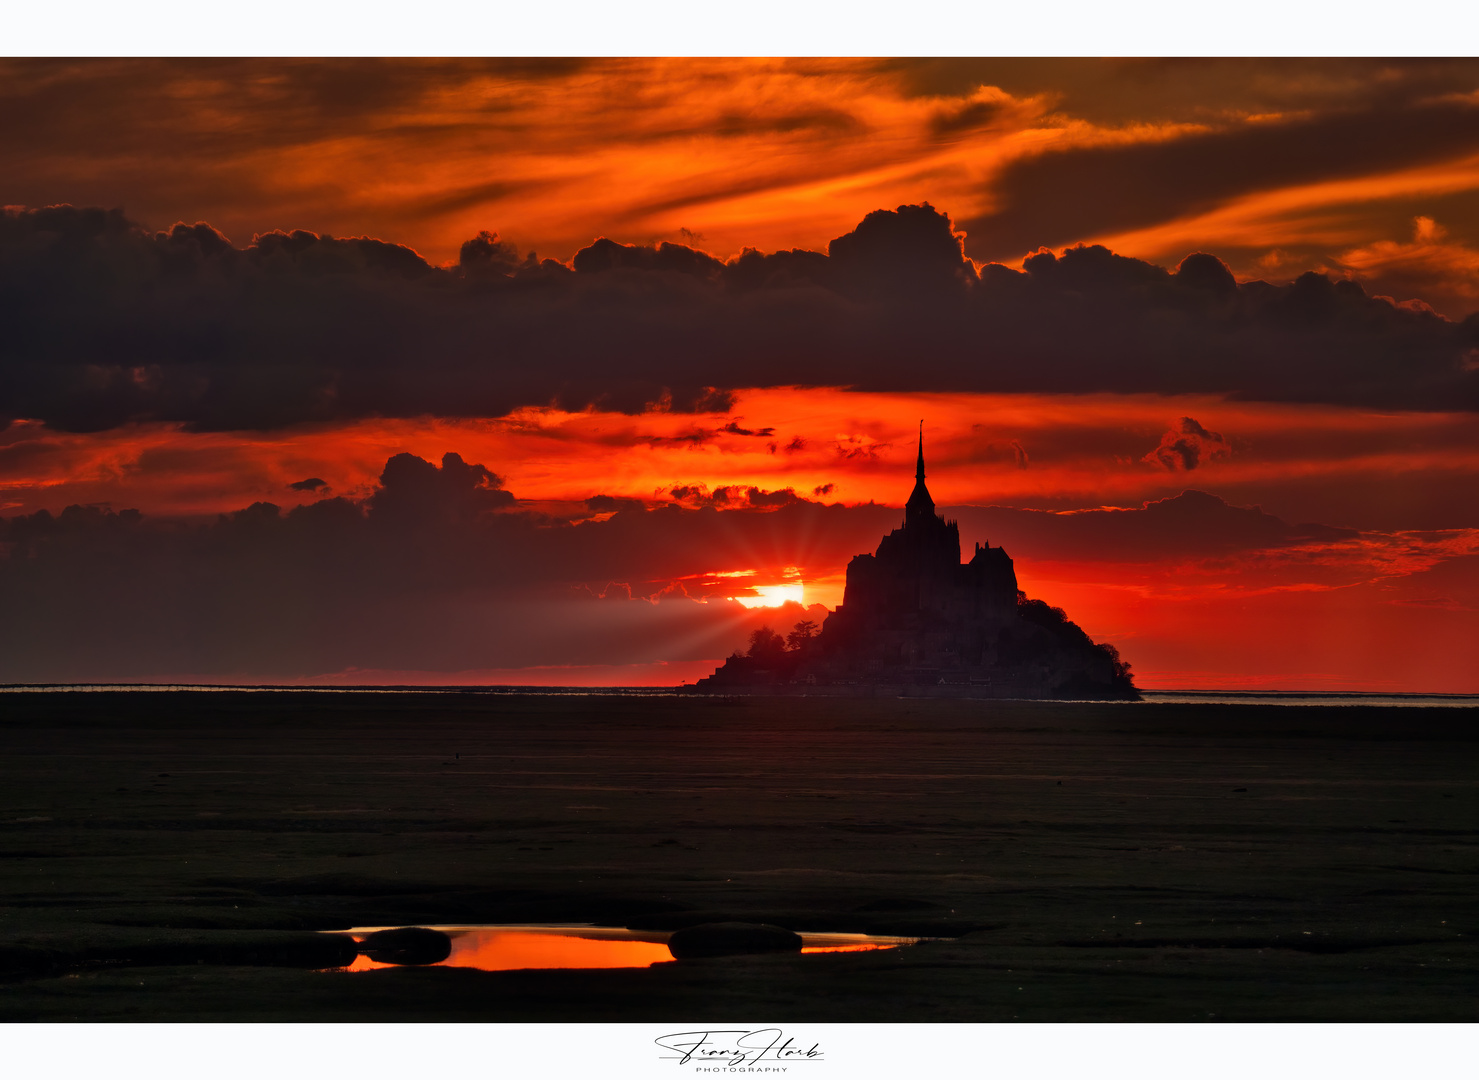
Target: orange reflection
{"x":512,"y":950}
{"x":507,"y":950}
{"x":520,"y":948}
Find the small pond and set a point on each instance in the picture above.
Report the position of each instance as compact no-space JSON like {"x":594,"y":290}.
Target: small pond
{"x":509,"y":948}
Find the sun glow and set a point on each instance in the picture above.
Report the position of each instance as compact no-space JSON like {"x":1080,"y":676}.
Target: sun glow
{"x":792,"y":590}
{"x":774,"y":595}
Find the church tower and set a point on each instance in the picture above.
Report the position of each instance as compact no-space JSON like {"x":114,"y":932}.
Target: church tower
{"x":927,"y":544}
{"x":920,"y":506}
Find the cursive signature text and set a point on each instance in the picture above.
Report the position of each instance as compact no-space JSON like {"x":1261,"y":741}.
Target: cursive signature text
{"x":737,"y":1047}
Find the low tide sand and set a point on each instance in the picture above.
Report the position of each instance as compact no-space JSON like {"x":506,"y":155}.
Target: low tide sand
{"x":170,"y":856}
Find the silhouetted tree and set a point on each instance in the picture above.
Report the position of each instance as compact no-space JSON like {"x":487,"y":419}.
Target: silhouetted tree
{"x":766,"y":645}
{"x":1067,"y":639}
{"x":1052,"y":619}
{"x":1122,"y":673}
{"x":800,"y":637}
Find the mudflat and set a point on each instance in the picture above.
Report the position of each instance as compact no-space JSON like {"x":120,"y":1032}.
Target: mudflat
{"x":170,"y":856}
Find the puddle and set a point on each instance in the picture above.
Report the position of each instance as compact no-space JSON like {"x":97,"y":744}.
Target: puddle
{"x":511,"y":948}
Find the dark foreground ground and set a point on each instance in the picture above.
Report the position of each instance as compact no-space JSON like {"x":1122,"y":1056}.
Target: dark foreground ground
{"x":162,"y":856}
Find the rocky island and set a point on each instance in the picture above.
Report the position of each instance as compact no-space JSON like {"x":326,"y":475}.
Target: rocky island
{"x":916,"y":621}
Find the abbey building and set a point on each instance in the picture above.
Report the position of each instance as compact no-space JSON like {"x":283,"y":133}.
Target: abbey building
{"x":914,"y":619}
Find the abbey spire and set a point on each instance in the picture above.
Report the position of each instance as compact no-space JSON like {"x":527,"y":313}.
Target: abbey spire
{"x":920,"y":506}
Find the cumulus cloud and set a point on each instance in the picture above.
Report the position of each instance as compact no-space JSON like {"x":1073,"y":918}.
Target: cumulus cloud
{"x":441,"y":570}
{"x":106,"y":322}
{"x":1186,"y":445}
{"x":414,"y":492}
{"x":698,"y":495}
{"x":435,"y":571}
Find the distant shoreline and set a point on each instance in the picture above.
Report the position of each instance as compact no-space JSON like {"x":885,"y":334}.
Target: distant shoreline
{"x":1151,"y":697}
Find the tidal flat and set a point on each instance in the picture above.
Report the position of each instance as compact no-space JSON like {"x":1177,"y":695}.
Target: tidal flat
{"x":173,"y":856}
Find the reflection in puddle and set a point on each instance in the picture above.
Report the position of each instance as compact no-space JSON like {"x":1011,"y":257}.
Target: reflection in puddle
{"x":511,"y":948}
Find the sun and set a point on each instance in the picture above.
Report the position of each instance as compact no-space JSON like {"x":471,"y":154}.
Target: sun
{"x":774,"y":595}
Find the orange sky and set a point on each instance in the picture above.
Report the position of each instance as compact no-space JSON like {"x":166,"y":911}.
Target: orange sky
{"x":734,"y":153}
{"x":1367,"y":170}
{"x":1185,"y":621}
{"x":1028,"y":449}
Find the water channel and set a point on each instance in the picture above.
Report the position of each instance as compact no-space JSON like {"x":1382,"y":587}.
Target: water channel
{"x":510,"y":948}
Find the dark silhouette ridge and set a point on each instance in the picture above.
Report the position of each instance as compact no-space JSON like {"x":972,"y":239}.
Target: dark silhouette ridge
{"x":915,"y":620}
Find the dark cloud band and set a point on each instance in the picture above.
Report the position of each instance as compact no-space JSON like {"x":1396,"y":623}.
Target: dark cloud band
{"x":107,"y":323}
{"x":440,"y":570}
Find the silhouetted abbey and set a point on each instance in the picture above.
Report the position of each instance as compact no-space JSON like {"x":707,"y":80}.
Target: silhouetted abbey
{"x":915,"y":620}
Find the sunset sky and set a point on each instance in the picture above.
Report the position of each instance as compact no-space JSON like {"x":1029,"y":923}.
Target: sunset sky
{"x":1195,"y":340}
